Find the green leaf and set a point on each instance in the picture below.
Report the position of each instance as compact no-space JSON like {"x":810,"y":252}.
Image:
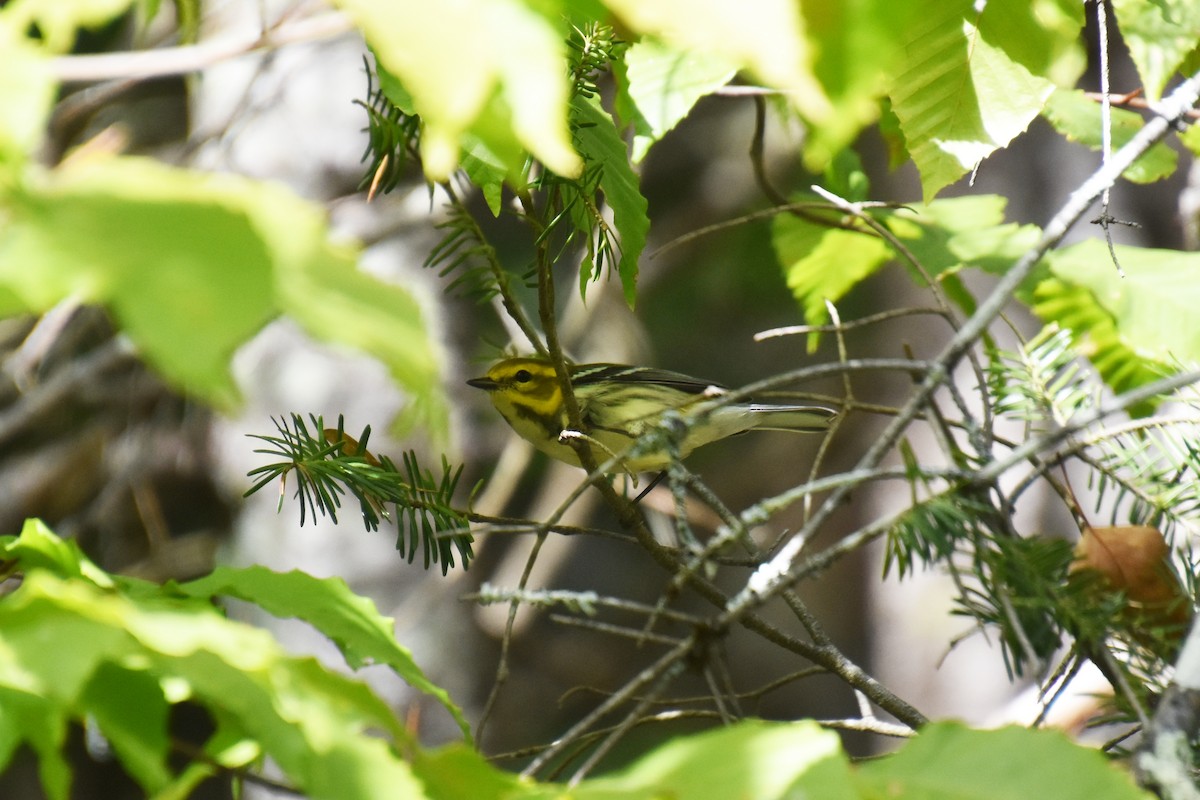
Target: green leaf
{"x":130,"y":709}
{"x":459,"y":771}
{"x":192,"y":265}
{"x":948,"y":761}
{"x":38,"y":548}
{"x":944,"y":236}
{"x":969,"y":83}
{"x":486,"y":170}
{"x":1131,"y":329}
{"x":491,"y":152}
{"x":752,"y":760}
{"x":1160,"y":34}
{"x":1153,"y":307}
{"x":29,"y":717}
{"x":602,"y":146}
{"x":767,"y":38}
{"x":951,"y":233}
{"x":62,"y":638}
{"x":57,"y":21}
{"x":1190,"y":139}
{"x":823,"y":263}
{"x":353,"y":623}
{"x":27,"y":91}
{"x":664,"y":84}
{"x":857,"y":48}
{"x":456,"y":58}
{"x":1094,"y":336}
{"x":1078,"y":118}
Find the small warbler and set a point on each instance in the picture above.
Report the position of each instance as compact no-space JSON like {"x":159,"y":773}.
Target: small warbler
{"x":618,"y":403}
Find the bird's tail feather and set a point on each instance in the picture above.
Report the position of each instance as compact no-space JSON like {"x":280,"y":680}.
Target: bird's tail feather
{"x":802,"y":419}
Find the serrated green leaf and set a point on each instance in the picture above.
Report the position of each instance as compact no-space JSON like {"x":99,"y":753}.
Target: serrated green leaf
{"x":1131,"y":329}
{"x":175,"y":255}
{"x":57,"y":21}
{"x":37,"y":547}
{"x":664,"y":83}
{"x":459,"y":771}
{"x":856,"y":47}
{"x":1160,"y":34}
{"x":752,"y":760}
{"x":944,"y":236}
{"x":1094,"y":336}
{"x":317,"y":725}
{"x":353,"y":623}
{"x":27,"y":89}
{"x":29,"y":717}
{"x":131,"y":710}
{"x":823,"y":263}
{"x":193,"y":264}
{"x":1190,"y":139}
{"x":952,"y":233}
{"x":1153,"y":306}
{"x":948,"y":761}
{"x":765,"y":37}
{"x":969,"y":83}
{"x":1078,"y":118}
{"x":601,"y":145}
{"x":457,"y":58}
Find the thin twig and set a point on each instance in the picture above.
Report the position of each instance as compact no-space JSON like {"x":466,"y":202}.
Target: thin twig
{"x":861,"y":322}
{"x":1106,"y":220}
{"x":185,"y":59}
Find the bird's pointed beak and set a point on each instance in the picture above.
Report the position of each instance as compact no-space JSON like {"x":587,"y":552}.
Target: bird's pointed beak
{"x":485,"y":383}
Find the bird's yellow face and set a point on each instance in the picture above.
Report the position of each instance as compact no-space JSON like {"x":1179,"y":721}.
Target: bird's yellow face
{"x":526,"y":393}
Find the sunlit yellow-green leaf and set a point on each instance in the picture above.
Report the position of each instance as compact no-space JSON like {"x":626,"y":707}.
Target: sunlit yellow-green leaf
{"x":956,"y":232}
{"x":822,"y":263}
{"x":1078,"y":118}
{"x":752,"y":760}
{"x":765,"y":37}
{"x":856,"y":47}
{"x":58,"y":20}
{"x":38,"y":547}
{"x":970,"y":81}
{"x":192,"y":264}
{"x":664,"y":83}
{"x":1153,"y":306}
{"x":1094,"y":335}
{"x":353,"y":623}
{"x":455,"y":58}
{"x":27,"y":90}
{"x":605,"y":150}
{"x":85,"y":648}
{"x":949,"y":761}
{"x":1160,"y":34}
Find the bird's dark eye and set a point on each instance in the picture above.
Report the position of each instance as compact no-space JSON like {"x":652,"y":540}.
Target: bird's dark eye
{"x":523,"y":376}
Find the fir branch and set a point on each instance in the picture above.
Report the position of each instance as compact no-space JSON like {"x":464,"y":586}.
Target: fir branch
{"x":1041,"y":382}
{"x":327,"y":464}
{"x":392,"y":136}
